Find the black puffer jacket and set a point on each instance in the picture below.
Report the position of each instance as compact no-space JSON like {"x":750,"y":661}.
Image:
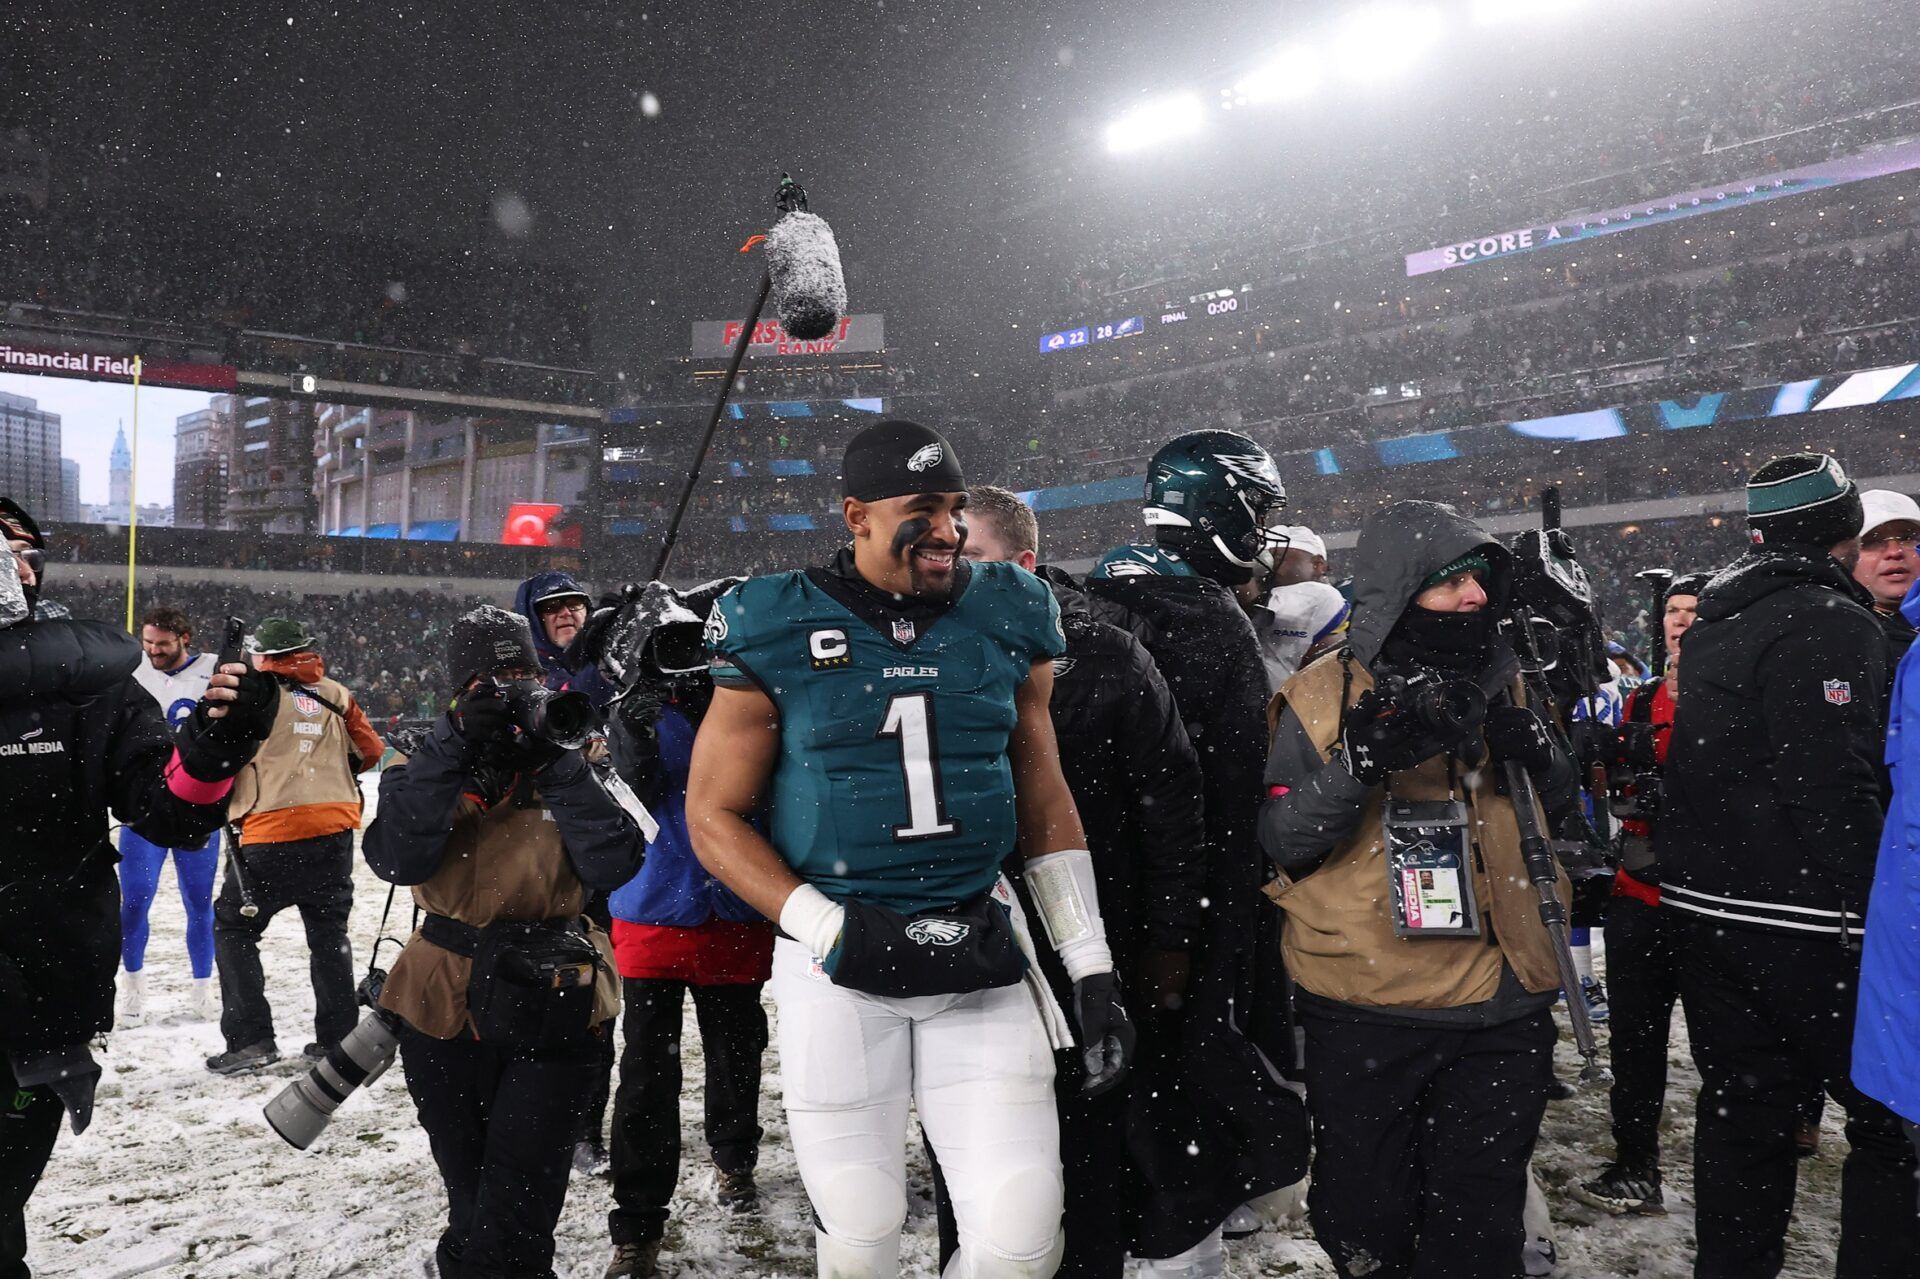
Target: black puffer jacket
{"x":1772,"y":816}
{"x":1135,"y":779}
{"x":1206,"y":650}
{"x":78,"y":739}
{"x":1204,"y":1083}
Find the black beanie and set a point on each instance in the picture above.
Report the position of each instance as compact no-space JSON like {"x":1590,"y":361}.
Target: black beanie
{"x":1804,"y":498}
{"x":898,"y":458}
{"x":1686,"y":584}
{"x":486,"y":639}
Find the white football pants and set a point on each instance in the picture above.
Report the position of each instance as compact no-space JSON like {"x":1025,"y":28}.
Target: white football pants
{"x":979,"y":1070}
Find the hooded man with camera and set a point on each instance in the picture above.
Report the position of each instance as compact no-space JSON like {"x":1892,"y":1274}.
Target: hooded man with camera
{"x":1425,"y":973}
{"x":80,"y":740}
{"x":502,"y":829}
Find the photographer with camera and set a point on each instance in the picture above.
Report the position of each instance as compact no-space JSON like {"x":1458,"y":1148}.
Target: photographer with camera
{"x":81,"y":740}
{"x":1425,"y":972}
{"x":677,"y":930}
{"x":558,"y":609}
{"x":502,"y":829}
{"x":294,"y":809}
{"x":1643,"y":941}
{"x":1767,"y":840}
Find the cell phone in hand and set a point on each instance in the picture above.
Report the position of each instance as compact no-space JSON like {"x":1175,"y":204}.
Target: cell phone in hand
{"x":233,"y":642}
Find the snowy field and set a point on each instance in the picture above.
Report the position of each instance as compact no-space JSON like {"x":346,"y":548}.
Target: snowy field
{"x":179,"y":1175}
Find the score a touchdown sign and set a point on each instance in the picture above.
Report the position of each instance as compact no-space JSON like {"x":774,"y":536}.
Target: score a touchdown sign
{"x":715,"y":338}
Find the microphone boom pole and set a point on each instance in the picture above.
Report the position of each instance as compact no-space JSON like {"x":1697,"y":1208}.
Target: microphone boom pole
{"x":791,"y":198}
{"x":738,"y":357}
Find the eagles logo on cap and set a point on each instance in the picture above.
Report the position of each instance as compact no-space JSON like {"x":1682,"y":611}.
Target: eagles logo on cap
{"x":898,"y":458}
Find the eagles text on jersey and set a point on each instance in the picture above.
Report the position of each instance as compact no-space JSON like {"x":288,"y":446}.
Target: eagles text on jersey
{"x":892,"y":782}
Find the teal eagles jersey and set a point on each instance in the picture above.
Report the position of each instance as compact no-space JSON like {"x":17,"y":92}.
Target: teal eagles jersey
{"x":892,"y":784}
{"x":1141,"y":561}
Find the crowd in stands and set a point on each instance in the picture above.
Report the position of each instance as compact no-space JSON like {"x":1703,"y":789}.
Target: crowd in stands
{"x":384,"y":645}
{"x":214,"y":548}
{"x":174,"y":266}
{"x":1746,"y":323}
{"x":1534,"y":154}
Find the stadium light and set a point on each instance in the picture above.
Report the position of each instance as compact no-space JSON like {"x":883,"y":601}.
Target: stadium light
{"x":1493,"y":13}
{"x":1154,"y":122}
{"x":1381,"y":40}
{"x":1292,"y":73}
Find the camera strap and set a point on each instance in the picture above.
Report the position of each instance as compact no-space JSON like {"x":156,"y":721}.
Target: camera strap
{"x":380,"y":935}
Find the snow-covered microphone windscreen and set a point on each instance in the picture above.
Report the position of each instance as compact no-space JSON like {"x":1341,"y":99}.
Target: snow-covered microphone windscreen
{"x":809,"y":290}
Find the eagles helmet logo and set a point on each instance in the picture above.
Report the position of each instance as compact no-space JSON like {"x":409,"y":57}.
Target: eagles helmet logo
{"x":1253,"y":468}
{"x":926,"y":458}
{"x":716,"y":628}
{"x":938,"y":932}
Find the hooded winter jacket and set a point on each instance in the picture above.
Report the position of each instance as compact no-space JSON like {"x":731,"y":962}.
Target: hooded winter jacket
{"x":559,"y":676}
{"x":79,"y":739}
{"x":1886,"y":1032}
{"x":1323,"y":828}
{"x":1773,"y":799}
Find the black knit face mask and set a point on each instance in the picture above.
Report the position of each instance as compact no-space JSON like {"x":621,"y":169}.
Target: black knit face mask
{"x":1456,"y":643}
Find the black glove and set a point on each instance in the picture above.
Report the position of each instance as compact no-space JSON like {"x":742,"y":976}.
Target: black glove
{"x":249,"y":716}
{"x":482,"y":722}
{"x":212,"y":749}
{"x":639,"y":709}
{"x":1106,"y":1032}
{"x":1377,"y":739}
{"x":1517,"y":735}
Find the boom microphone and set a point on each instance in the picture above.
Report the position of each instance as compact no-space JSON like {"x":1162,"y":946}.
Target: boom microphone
{"x":809,"y":288}
{"x":803,"y":273}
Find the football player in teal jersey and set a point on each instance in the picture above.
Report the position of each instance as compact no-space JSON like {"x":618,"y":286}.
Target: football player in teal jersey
{"x":890,"y":713}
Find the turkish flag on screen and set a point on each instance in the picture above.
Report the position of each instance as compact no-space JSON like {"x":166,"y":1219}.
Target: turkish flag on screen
{"x":528,"y":523}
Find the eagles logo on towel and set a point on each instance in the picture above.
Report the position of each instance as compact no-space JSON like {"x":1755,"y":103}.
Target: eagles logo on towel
{"x":938,"y":932}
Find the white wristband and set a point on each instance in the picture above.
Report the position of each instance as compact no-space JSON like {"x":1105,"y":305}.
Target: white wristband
{"x":1062,"y":885}
{"x":813,"y":919}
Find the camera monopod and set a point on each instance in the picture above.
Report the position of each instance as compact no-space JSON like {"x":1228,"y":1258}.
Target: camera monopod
{"x":238,"y":865}
{"x":233,"y":650}
{"x":1561,"y":595}
{"x":1659,"y":581}
{"x":803,"y":276}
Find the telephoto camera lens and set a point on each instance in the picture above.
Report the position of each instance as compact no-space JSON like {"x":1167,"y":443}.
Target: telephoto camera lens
{"x":565,"y":719}
{"x":302,"y":1110}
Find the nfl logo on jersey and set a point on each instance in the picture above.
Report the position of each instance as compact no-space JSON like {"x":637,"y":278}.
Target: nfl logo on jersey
{"x":305,"y":703}
{"x":1838,"y":691}
{"x":903,"y":631}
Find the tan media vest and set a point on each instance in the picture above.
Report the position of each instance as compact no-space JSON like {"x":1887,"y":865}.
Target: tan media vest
{"x":500,"y":863}
{"x":1339,"y":940}
{"x":304,"y":759}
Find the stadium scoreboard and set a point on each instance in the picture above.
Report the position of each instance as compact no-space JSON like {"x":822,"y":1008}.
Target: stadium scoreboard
{"x":1199,"y":309}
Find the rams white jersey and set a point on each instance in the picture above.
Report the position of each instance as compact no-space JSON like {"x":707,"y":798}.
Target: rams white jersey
{"x":1299,"y":616}
{"x":178,"y":691}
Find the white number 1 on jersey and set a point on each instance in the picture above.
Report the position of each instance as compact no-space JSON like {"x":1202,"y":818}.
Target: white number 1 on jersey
{"x":910,"y":718}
